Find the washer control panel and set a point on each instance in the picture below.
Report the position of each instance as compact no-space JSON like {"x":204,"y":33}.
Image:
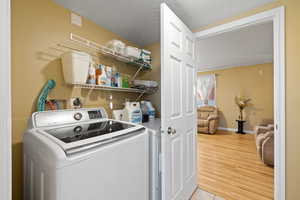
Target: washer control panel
{"x":60,"y":117}
{"x":95,"y":114}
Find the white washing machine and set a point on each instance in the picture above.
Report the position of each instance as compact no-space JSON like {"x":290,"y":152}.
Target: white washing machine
{"x":82,"y":155}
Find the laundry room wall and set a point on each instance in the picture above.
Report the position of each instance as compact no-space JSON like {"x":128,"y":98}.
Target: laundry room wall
{"x":154,"y":74}
{"x":37,"y":27}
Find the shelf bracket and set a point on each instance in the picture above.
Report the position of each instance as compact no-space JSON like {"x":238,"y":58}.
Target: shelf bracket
{"x":136,"y":73}
{"x":140,"y":96}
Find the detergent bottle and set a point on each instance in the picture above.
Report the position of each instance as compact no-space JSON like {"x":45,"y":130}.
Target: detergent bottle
{"x":132,"y":112}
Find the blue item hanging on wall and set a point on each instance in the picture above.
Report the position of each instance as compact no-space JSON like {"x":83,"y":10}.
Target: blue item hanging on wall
{"x":44,"y":94}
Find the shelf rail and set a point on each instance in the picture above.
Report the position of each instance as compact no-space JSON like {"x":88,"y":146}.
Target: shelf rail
{"x":108,"y":88}
{"x":78,"y":43}
{"x":118,"y":89}
{"x":95,"y":49}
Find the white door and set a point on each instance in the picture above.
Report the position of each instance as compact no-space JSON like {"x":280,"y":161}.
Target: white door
{"x":178,"y":103}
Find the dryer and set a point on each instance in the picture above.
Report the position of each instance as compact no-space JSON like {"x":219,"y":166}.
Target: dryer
{"x":154,"y":130}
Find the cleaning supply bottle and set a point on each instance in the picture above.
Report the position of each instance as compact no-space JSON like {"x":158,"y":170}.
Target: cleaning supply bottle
{"x":98,"y":74}
{"x":113,"y":77}
{"x":92,"y":75}
{"x":116,"y":80}
{"x":151,"y":110}
{"x":144,"y":112}
{"x":132,"y":112}
{"x":119,"y":80}
{"x":125,"y":81}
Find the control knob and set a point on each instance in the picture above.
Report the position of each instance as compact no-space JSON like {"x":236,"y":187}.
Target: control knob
{"x":77,"y":116}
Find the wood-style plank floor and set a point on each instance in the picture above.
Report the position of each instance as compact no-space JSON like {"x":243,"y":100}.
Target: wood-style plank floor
{"x":229,"y":167}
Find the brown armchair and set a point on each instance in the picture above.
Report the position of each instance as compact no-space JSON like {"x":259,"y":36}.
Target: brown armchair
{"x":207,"y":119}
{"x":264,"y":138}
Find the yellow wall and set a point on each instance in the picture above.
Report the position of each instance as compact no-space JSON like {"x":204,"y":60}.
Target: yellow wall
{"x":255,"y":82}
{"x":37,"y":26}
{"x":154,"y":74}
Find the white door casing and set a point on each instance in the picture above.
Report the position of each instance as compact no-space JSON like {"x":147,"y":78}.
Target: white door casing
{"x":5,"y":101}
{"x":277,"y":16}
{"x":178,"y":104}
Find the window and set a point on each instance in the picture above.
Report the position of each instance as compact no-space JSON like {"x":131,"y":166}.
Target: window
{"x":206,"y":90}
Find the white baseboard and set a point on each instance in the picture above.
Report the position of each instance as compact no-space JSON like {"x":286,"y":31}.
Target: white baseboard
{"x":234,"y":130}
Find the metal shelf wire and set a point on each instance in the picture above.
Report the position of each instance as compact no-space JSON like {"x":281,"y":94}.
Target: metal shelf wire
{"x":108,"y":88}
{"x":77,"y":43}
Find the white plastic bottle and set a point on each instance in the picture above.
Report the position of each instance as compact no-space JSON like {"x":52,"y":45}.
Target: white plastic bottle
{"x":91,"y":75}
{"x":151,"y":110}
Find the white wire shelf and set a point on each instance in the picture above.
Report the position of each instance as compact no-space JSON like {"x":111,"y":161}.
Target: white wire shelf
{"x":77,"y":43}
{"x":108,"y":88}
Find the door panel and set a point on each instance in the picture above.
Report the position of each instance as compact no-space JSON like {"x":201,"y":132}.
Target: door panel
{"x":189,"y":47}
{"x":176,"y":87}
{"x":190,"y":100}
{"x":178,"y":106}
{"x":175,"y":36}
{"x":177,"y":162}
{"x":190,"y":154}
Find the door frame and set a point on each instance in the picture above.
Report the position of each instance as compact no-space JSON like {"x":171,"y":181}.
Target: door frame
{"x":277,"y":16}
{"x":5,"y":100}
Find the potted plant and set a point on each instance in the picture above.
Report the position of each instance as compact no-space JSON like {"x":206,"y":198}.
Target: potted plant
{"x":242,"y":103}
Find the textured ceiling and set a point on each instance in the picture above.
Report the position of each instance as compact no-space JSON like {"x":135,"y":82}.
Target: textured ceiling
{"x":248,"y":46}
{"x":139,"y":20}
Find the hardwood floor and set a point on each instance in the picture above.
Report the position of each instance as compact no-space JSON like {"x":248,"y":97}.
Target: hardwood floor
{"x":229,"y":167}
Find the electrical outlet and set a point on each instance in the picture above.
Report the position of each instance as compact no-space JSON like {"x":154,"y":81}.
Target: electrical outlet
{"x":76,"y":19}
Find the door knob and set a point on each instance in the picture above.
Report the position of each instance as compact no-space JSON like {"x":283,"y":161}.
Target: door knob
{"x":171,"y":131}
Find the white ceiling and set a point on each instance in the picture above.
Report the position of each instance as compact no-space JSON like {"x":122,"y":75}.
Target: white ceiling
{"x":139,"y":20}
{"x":247,"y":46}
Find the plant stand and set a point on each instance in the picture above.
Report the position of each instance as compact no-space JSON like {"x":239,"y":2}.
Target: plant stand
{"x":240,"y":126}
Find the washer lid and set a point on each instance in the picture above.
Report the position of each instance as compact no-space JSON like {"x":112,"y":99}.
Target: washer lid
{"x":79,"y":137}
{"x":79,"y":132}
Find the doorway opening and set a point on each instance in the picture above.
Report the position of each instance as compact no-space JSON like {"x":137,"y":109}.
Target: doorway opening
{"x":236,"y":113}
{"x":274,"y":18}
